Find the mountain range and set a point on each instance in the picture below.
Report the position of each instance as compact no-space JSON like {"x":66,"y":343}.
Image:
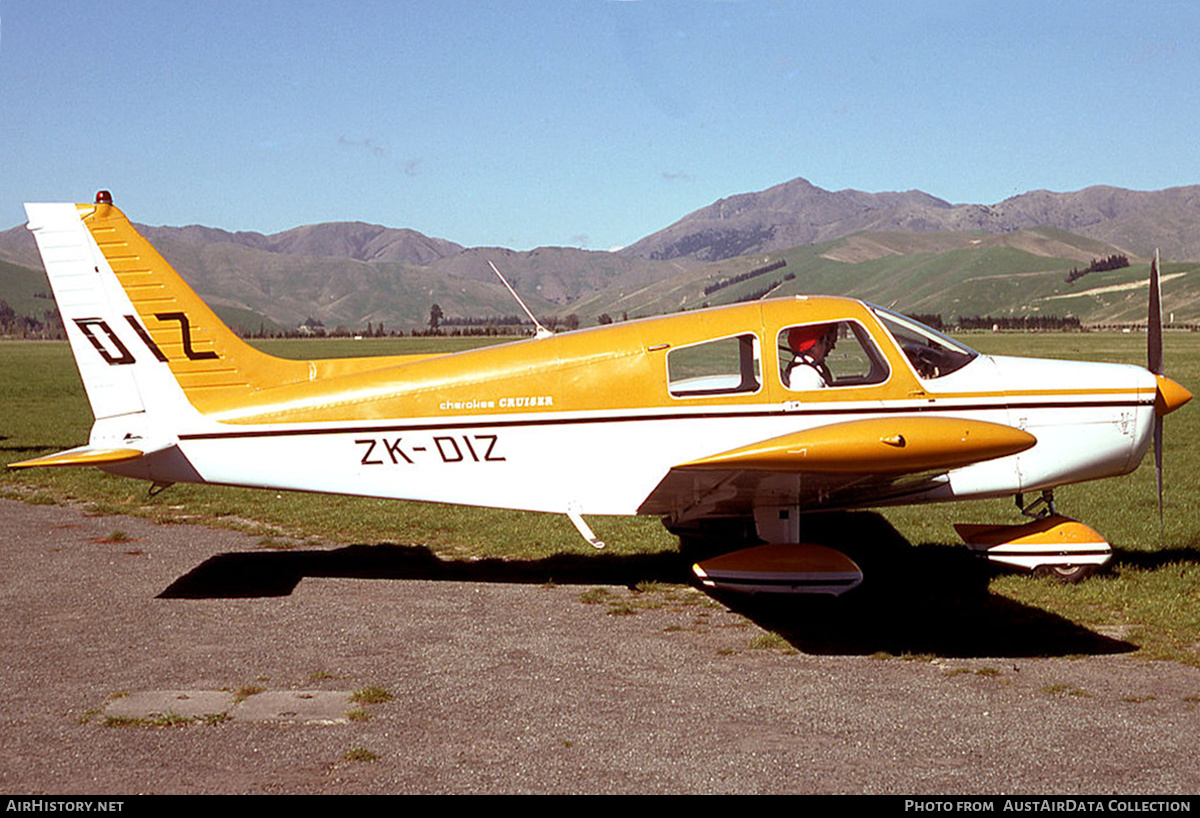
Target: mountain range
{"x":891,"y":247}
{"x":798,"y":212}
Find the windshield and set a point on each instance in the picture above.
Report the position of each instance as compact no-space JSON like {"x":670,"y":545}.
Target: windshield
{"x":931,"y":353}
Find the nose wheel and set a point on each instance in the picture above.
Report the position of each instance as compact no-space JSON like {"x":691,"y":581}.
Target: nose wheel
{"x":1066,"y":574}
{"x":1050,"y":545}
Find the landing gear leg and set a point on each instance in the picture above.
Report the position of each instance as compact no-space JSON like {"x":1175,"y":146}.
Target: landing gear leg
{"x":777,"y":524}
{"x":1039,"y":508}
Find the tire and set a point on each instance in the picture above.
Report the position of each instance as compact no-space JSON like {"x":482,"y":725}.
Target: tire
{"x":1066,"y":574}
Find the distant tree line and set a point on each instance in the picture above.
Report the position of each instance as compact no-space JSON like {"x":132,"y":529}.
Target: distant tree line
{"x":605,"y":318}
{"x":264,"y":331}
{"x":930,"y":320}
{"x":757,"y":271}
{"x":490,"y":326}
{"x":315,"y":328}
{"x":470,"y":332}
{"x":759,"y":293}
{"x":504,"y":325}
{"x":1026,"y":323}
{"x":1114,"y":262}
{"x":26,"y":326}
{"x":496,"y":321}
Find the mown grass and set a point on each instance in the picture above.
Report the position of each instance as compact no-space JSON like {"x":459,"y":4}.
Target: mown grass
{"x":371,"y":695}
{"x":360,"y":754}
{"x":1152,"y":592}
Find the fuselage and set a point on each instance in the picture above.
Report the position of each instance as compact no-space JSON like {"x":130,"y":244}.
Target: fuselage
{"x":593,"y":421}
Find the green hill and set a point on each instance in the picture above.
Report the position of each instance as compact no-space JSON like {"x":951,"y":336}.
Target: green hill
{"x":26,"y":291}
{"x":951,"y":274}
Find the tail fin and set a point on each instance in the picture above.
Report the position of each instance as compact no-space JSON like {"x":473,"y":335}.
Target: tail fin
{"x":130,"y":316}
{"x":143,"y":340}
{"x":150,"y":352}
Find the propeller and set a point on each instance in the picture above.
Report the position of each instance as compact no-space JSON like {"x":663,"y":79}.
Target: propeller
{"x":1170,"y":394}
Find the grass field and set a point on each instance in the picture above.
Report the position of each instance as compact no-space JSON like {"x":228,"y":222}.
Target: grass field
{"x":1151,"y":593}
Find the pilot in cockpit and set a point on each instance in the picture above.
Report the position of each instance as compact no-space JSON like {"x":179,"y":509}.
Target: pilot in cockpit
{"x":809,"y":346}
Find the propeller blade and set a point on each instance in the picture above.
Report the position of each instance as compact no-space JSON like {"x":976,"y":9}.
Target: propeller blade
{"x":1158,"y":471}
{"x":1154,"y":362}
{"x":1154,"y":328}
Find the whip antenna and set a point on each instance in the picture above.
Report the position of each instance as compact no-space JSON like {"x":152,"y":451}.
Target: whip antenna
{"x":541,"y":332}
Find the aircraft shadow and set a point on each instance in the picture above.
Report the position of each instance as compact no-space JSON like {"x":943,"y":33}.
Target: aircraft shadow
{"x":1149,"y":560}
{"x":277,"y":573}
{"x":927,"y":600}
{"x":923,"y":617}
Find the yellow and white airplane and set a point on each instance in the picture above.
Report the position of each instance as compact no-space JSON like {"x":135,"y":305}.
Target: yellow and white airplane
{"x":751,"y":413}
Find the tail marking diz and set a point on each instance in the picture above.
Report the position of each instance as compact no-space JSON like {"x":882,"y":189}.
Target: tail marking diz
{"x":185,"y":329}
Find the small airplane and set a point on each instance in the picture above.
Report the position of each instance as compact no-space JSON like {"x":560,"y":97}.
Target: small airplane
{"x":744,"y":417}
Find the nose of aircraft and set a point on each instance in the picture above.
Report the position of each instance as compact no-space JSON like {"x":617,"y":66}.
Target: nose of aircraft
{"x":1170,"y":396}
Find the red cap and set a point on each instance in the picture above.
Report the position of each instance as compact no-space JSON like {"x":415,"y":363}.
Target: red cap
{"x":802,"y":339}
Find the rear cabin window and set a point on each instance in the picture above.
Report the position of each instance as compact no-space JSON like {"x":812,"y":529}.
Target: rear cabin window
{"x":813,"y":356}
{"x":726,"y":366}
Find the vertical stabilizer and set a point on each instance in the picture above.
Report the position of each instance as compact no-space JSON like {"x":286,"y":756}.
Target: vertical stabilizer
{"x":141,"y":336}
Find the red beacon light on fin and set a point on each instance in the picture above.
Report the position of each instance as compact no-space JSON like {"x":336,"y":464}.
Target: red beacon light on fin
{"x":103,"y":197}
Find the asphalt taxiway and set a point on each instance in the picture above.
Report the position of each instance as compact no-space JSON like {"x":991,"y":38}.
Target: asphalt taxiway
{"x":508,"y":683}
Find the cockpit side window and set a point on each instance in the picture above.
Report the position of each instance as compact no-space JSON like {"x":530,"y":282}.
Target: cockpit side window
{"x":724,"y":366}
{"x":932,"y":354}
{"x":836,"y":353}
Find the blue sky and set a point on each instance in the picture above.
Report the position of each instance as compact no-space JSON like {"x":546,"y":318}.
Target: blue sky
{"x":587,"y":124}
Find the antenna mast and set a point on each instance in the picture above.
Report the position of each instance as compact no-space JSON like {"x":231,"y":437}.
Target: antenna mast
{"x":541,"y":332}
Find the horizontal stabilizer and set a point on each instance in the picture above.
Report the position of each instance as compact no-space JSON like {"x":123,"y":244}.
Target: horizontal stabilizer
{"x":81,"y":456}
{"x":894,"y":445}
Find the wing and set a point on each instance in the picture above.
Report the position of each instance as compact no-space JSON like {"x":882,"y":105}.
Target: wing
{"x":855,"y":463}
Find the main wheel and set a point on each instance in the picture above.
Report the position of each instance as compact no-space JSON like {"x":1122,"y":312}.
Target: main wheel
{"x":1066,"y":574}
